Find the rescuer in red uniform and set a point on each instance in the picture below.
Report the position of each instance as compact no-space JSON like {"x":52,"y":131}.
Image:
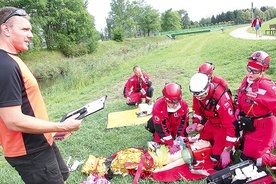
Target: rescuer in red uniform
{"x":138,"y":86}
{"x":213,"y":102}
{"x":208,"y":68}
{"x":170,"y":116}
{"x":256,"y":106}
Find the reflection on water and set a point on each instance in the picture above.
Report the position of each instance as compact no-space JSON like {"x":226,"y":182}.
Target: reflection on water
{"x":46,"y":83}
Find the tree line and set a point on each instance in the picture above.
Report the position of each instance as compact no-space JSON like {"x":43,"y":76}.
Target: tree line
{"x":63,"y":25}
{"x":136,"y":18}
{"x":67,"y":26}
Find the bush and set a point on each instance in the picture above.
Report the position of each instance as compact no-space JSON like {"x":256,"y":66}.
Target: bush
{"x":75,"y":50}
{"x":92,"y":46}
{"x":118,"y":34}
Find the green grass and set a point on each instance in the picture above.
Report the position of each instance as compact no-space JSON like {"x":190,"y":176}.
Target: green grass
{"x":105,"y":72}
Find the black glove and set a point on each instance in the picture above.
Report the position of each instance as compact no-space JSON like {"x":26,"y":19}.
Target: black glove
{"x":247,"y":124}
{"x":203,"y":121}
{"x":149,"y":83}
{"x":238,"y":128}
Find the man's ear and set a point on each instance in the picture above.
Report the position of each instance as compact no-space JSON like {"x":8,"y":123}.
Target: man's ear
{"x":5,"y":29}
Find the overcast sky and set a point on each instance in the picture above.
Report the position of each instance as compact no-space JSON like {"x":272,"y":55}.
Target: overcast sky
{"x":196,"y":9}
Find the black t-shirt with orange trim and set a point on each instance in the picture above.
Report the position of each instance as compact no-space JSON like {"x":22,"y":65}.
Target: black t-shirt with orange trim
{"x":18,"y":86}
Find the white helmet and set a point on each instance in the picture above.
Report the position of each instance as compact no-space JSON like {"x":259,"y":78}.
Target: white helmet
{"x":199,"y":84}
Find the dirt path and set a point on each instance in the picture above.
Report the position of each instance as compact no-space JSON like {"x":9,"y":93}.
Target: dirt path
{"x":243,"y":34}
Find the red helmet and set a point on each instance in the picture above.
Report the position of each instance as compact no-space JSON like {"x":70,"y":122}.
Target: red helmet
{"x":259,"y":60}
{"x":207,"y":68}
{"x":172,"y":92}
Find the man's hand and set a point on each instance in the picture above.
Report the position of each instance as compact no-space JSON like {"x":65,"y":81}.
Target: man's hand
{"x":237,"y":114}
{"x":142,"y":78}
{"x":199,"y":127}
{"x":128,"y":100}
{"x":70,"y":124}
{"x":225,"y":158}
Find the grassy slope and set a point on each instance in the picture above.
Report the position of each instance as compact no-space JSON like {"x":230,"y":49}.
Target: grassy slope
{"x":105,"y":73}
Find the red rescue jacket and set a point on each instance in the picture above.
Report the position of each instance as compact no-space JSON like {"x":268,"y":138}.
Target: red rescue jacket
{"x":217,"y":108}
{"x":168,"y":125}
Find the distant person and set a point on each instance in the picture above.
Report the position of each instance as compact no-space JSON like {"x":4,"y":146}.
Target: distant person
{"x":208,"y":69}
{"x":25,"y":130}
{"x":257,"y":24}
{"x":170,"y":116}
{"x":222,"y":29}
{"x":137,"y":87}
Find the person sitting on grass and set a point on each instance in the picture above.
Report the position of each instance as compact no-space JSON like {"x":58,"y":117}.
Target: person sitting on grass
{"x":137,"y":87}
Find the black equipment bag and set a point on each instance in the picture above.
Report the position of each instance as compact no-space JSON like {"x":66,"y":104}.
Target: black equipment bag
{"x":225,"y":176}
{"x":150,"y":126}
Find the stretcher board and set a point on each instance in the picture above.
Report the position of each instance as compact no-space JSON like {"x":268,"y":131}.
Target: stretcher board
{"x":125,"y":118}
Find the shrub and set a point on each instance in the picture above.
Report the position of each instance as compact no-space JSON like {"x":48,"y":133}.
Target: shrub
{"x":118,"y":34}
{"x":75,"y":50}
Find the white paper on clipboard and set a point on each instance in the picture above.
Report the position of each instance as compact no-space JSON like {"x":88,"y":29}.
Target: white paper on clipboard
{"x":87,"y":109}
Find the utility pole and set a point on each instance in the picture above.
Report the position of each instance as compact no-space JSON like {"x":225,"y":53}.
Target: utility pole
{"x":252,"y":12}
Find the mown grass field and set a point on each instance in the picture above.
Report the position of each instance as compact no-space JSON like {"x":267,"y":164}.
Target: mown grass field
{"x":105,"y":72}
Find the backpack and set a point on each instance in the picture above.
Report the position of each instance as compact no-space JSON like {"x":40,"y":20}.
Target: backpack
{"x":210,"y":107}
{"x":150,"y":126}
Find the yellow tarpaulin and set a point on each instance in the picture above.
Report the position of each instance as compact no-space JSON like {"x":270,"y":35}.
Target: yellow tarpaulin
{"x":125,"y":118}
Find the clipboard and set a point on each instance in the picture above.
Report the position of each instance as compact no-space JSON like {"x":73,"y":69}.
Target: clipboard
{"x":87,"y":109}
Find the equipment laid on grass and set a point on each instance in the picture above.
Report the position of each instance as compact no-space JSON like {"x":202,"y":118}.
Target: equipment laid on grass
{"x":244,"y":172}
{"x":127,"y":118}
{"x":144,"y":110}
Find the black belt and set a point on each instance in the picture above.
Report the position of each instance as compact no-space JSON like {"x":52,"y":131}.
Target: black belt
{"x":264,"y":116}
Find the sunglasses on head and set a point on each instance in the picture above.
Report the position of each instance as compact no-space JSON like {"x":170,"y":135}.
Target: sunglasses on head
{"x":18,"y":12}
{"x":172,"y":101}
{"x":251,"y":70}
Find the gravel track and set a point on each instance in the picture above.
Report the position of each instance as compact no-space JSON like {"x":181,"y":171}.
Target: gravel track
{"x":243,"y":34}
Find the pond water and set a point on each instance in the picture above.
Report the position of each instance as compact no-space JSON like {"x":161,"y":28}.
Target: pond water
{"x":46,"y":83}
